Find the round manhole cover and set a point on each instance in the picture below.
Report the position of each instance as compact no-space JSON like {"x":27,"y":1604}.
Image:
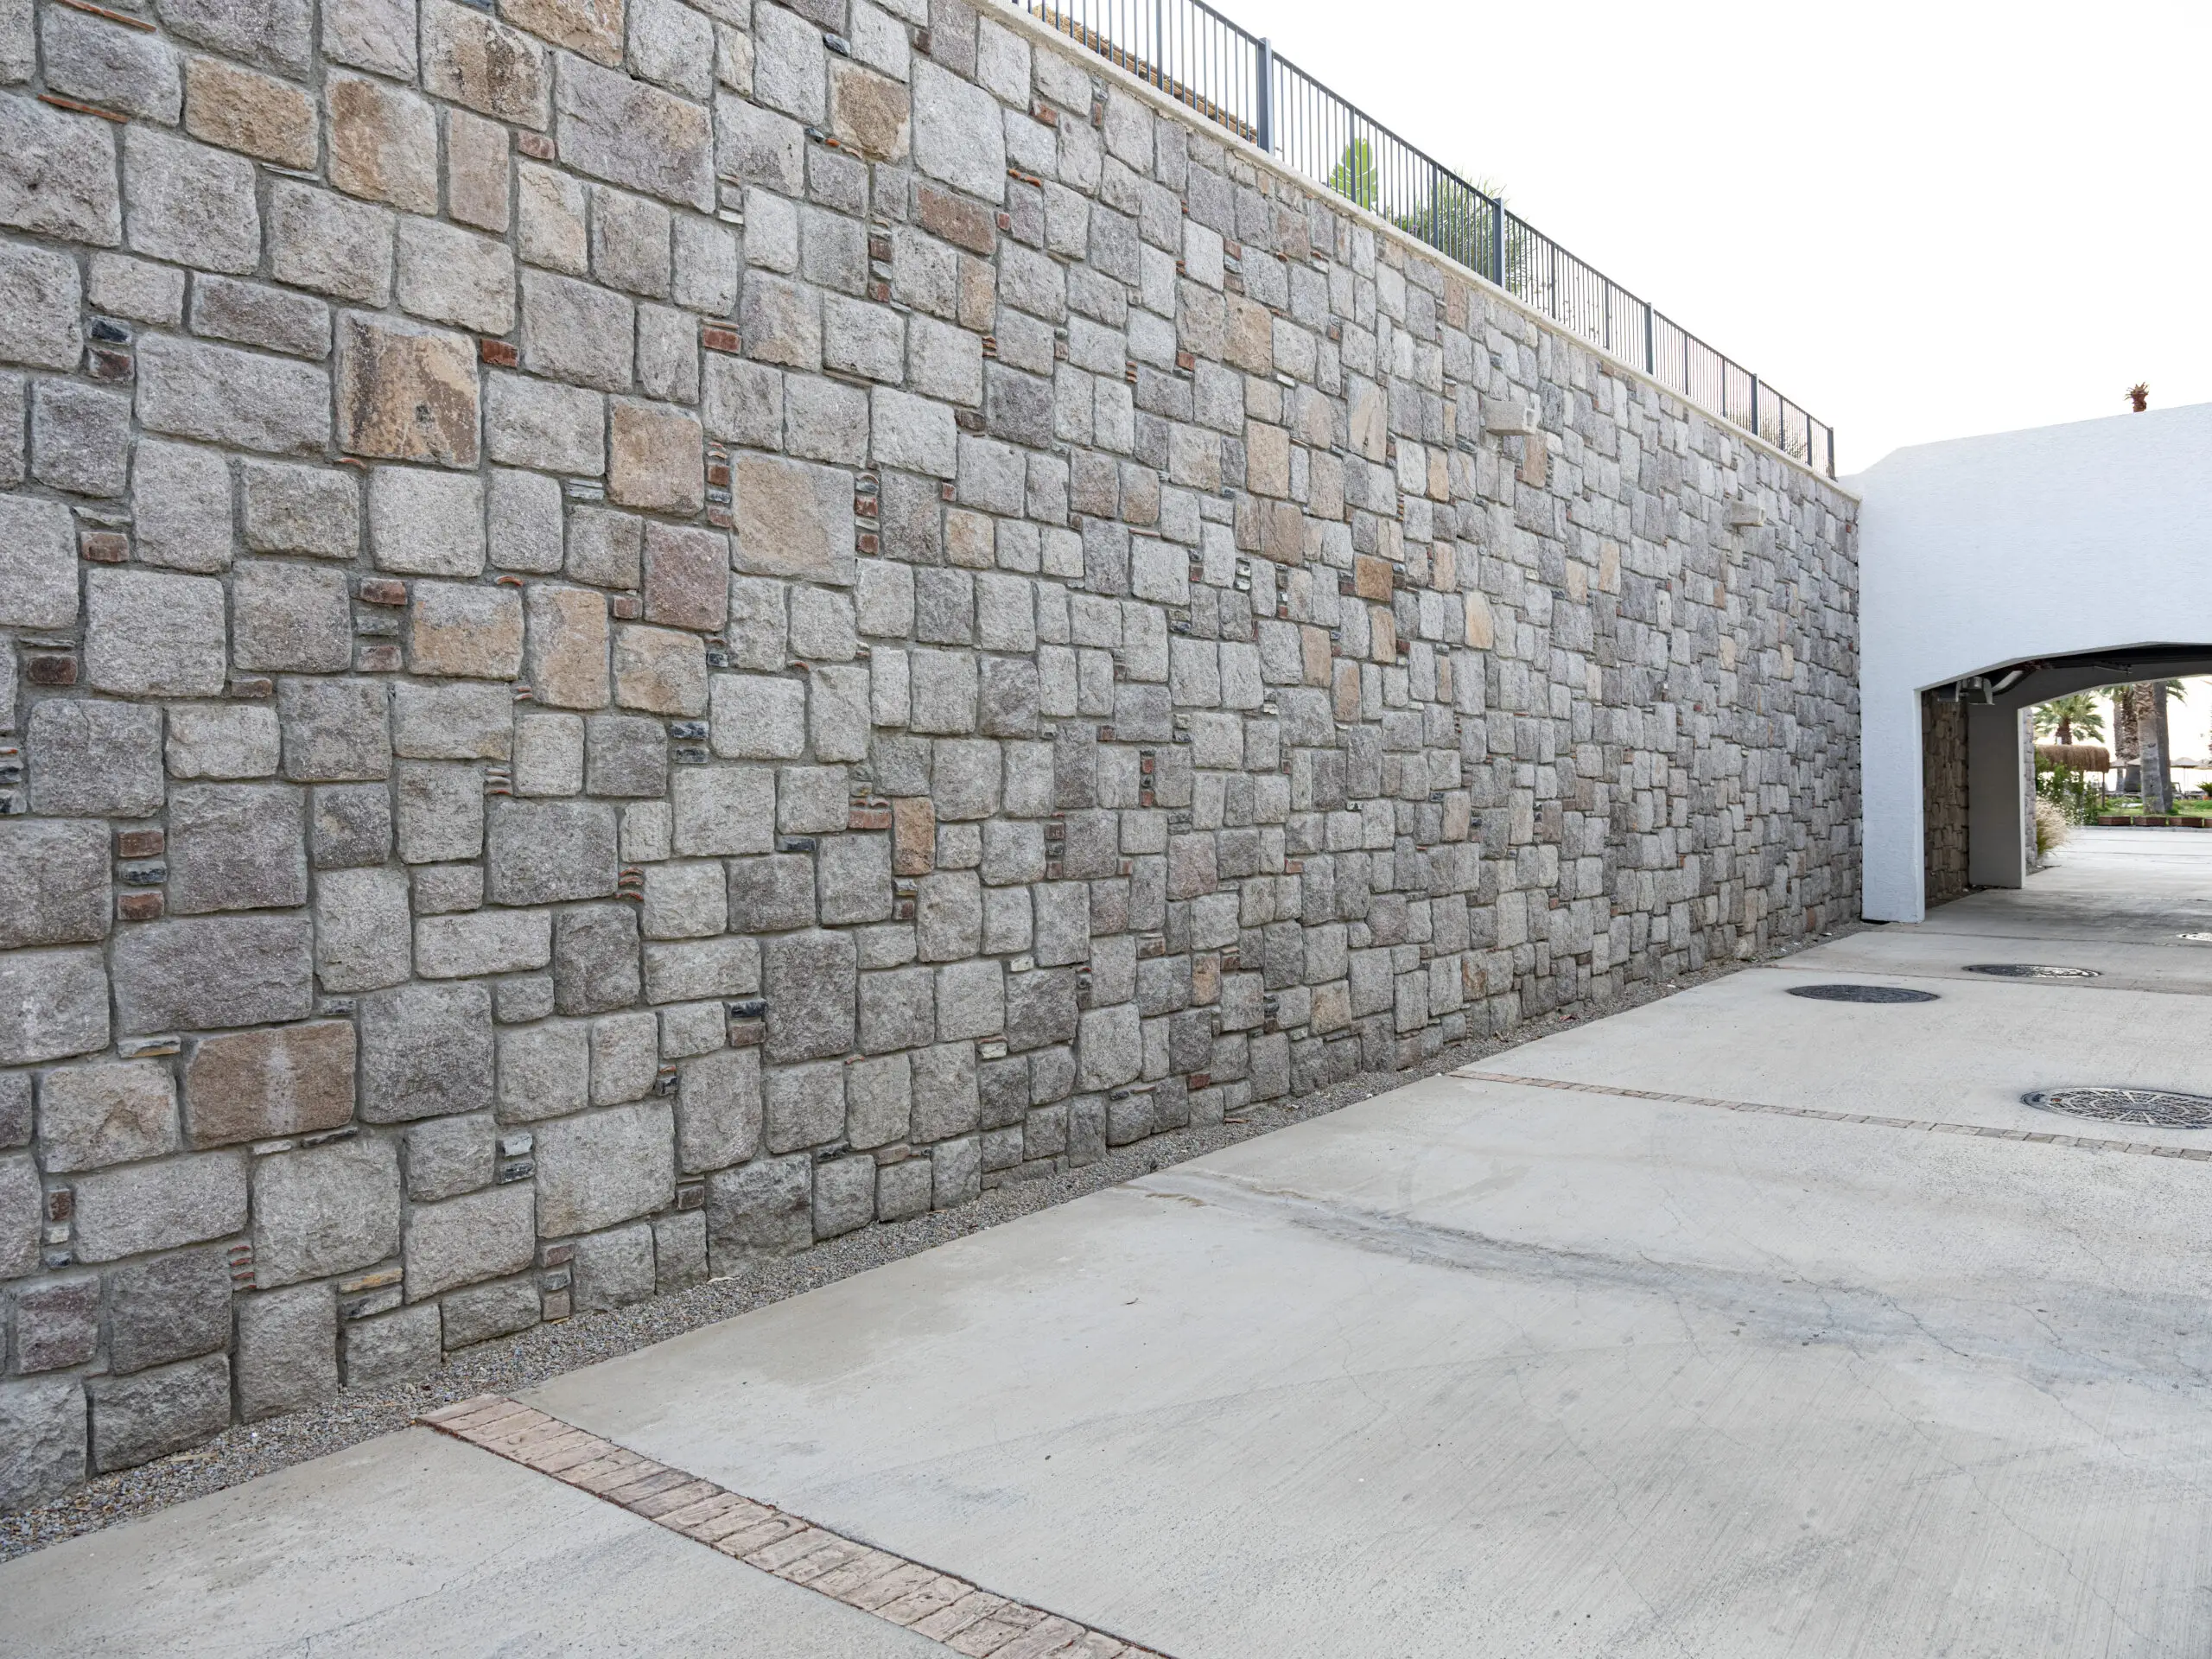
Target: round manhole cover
{"x":2160,"y":1106}
{"x":1861,"y":993}
{"x":2030,"y":970}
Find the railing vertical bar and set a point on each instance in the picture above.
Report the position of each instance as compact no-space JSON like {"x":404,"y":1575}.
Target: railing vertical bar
{"x":1263,"y":116}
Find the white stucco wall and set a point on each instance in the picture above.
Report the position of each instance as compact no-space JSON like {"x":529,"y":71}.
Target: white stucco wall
{"x":1979,"y":552}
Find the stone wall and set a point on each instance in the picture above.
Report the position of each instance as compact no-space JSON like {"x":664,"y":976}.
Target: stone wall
{"x":636,"y":637}
{"x":1944,"y":794}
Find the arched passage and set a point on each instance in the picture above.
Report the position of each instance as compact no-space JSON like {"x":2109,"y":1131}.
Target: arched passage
{"x":1977,"y":765}
{"x":1998,"y":572}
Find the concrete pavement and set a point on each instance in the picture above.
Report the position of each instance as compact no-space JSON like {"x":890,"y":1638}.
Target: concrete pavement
{"x":1477,"y":1367}
{"x":413,"y":1544}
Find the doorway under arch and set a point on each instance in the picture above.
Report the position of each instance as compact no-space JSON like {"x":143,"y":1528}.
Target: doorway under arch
{"x":1978,"y":775}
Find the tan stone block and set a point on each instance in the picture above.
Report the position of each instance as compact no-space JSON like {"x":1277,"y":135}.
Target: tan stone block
{"x":1250,"y":340}
{"x":1313,"y":650}
{"x":1194,"y":457}
{"x":1324,"y":484}
{"x":687,"y":576}
{"x":253,"y":1084}
{"x":1205,"y":978}
{"x":591,"y":27}
{"x":1344,"y":690}
{"x":1439,"y":476}
{"x":979,"y":294}
{"x":1535,"y":462}
{"x":383,"y":143}
{"x":1370,"y":421}
{"x":869,"y":112}
{"x":406,"y":393}
{"x":970,"y":539}
{"x":568,"y":640}
{"x":1266,"y":459}
{"x":660,"y":670}
{"x":1370,"y":578}
{"x":550,"y":207}
{"x":471,"y":59}
{"x":658,"y":457}
{"x":239,"y":110}
{"x":476,"y":171}
{"x":963,"y":223}
{"x":1478,"y":622}
{"x":1283,"y":533}
{"x":913,"y":835}
{"x":1608,"y":567}
{"x":1331,"y":1007}
{"x":464,"y":630}
{"x":1443,"y":567}
{"x":794,"y":519}
{"x":1381,"y":634}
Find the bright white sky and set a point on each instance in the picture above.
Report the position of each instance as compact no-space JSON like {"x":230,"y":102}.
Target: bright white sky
{"x":1919,"y":218}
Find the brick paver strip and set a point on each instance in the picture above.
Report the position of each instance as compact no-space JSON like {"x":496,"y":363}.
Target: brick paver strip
{"x":2040,"y":1137}
{"x":965,"y":1618}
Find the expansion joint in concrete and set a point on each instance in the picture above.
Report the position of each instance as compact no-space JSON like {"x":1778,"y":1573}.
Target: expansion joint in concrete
{"x":1931,"y":1126}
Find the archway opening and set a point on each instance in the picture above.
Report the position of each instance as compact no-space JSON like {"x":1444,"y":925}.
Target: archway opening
{"x":1979,"y":763}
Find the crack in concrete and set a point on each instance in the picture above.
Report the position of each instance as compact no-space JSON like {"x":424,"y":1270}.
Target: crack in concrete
{"x":1782,"y":1305}
{"x":1930,"y":1126}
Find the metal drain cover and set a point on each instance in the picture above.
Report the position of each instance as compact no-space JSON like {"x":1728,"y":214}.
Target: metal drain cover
{"x":1861,"y":993}
{"x":2159,"y":1107}
{"x":2030,"y":970}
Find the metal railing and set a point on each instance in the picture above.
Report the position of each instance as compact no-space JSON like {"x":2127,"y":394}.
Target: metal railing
{"x":1200,"y":59}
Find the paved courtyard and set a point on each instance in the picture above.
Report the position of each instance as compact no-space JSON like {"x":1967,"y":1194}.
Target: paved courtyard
{"x":1636,"y":1340}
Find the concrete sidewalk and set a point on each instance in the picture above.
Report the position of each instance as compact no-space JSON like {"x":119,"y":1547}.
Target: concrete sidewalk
{"x":412,"y":1544}
{"x":1510,"y":1365}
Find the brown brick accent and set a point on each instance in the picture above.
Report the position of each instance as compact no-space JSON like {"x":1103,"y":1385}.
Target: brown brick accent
{"x":947,"y":1609}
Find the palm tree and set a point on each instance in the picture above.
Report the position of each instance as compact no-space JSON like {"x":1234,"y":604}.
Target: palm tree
{"x":2151,"y":730}
{"x":2161,"y":692}
{"x":2126,"y":746}
{"x":2070,"y":717}
{"x":2140,"y":734}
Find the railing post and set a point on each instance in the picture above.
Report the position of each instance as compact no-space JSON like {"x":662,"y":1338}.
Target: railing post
{"x":1754,"y":406}
{"x":1650,"y":361}
{"x":1831,"y":452}
{"x":1264,"y":113}
{"x":1497,"y":242}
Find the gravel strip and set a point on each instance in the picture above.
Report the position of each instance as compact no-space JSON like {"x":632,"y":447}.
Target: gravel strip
{"x":512,"y":1363}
